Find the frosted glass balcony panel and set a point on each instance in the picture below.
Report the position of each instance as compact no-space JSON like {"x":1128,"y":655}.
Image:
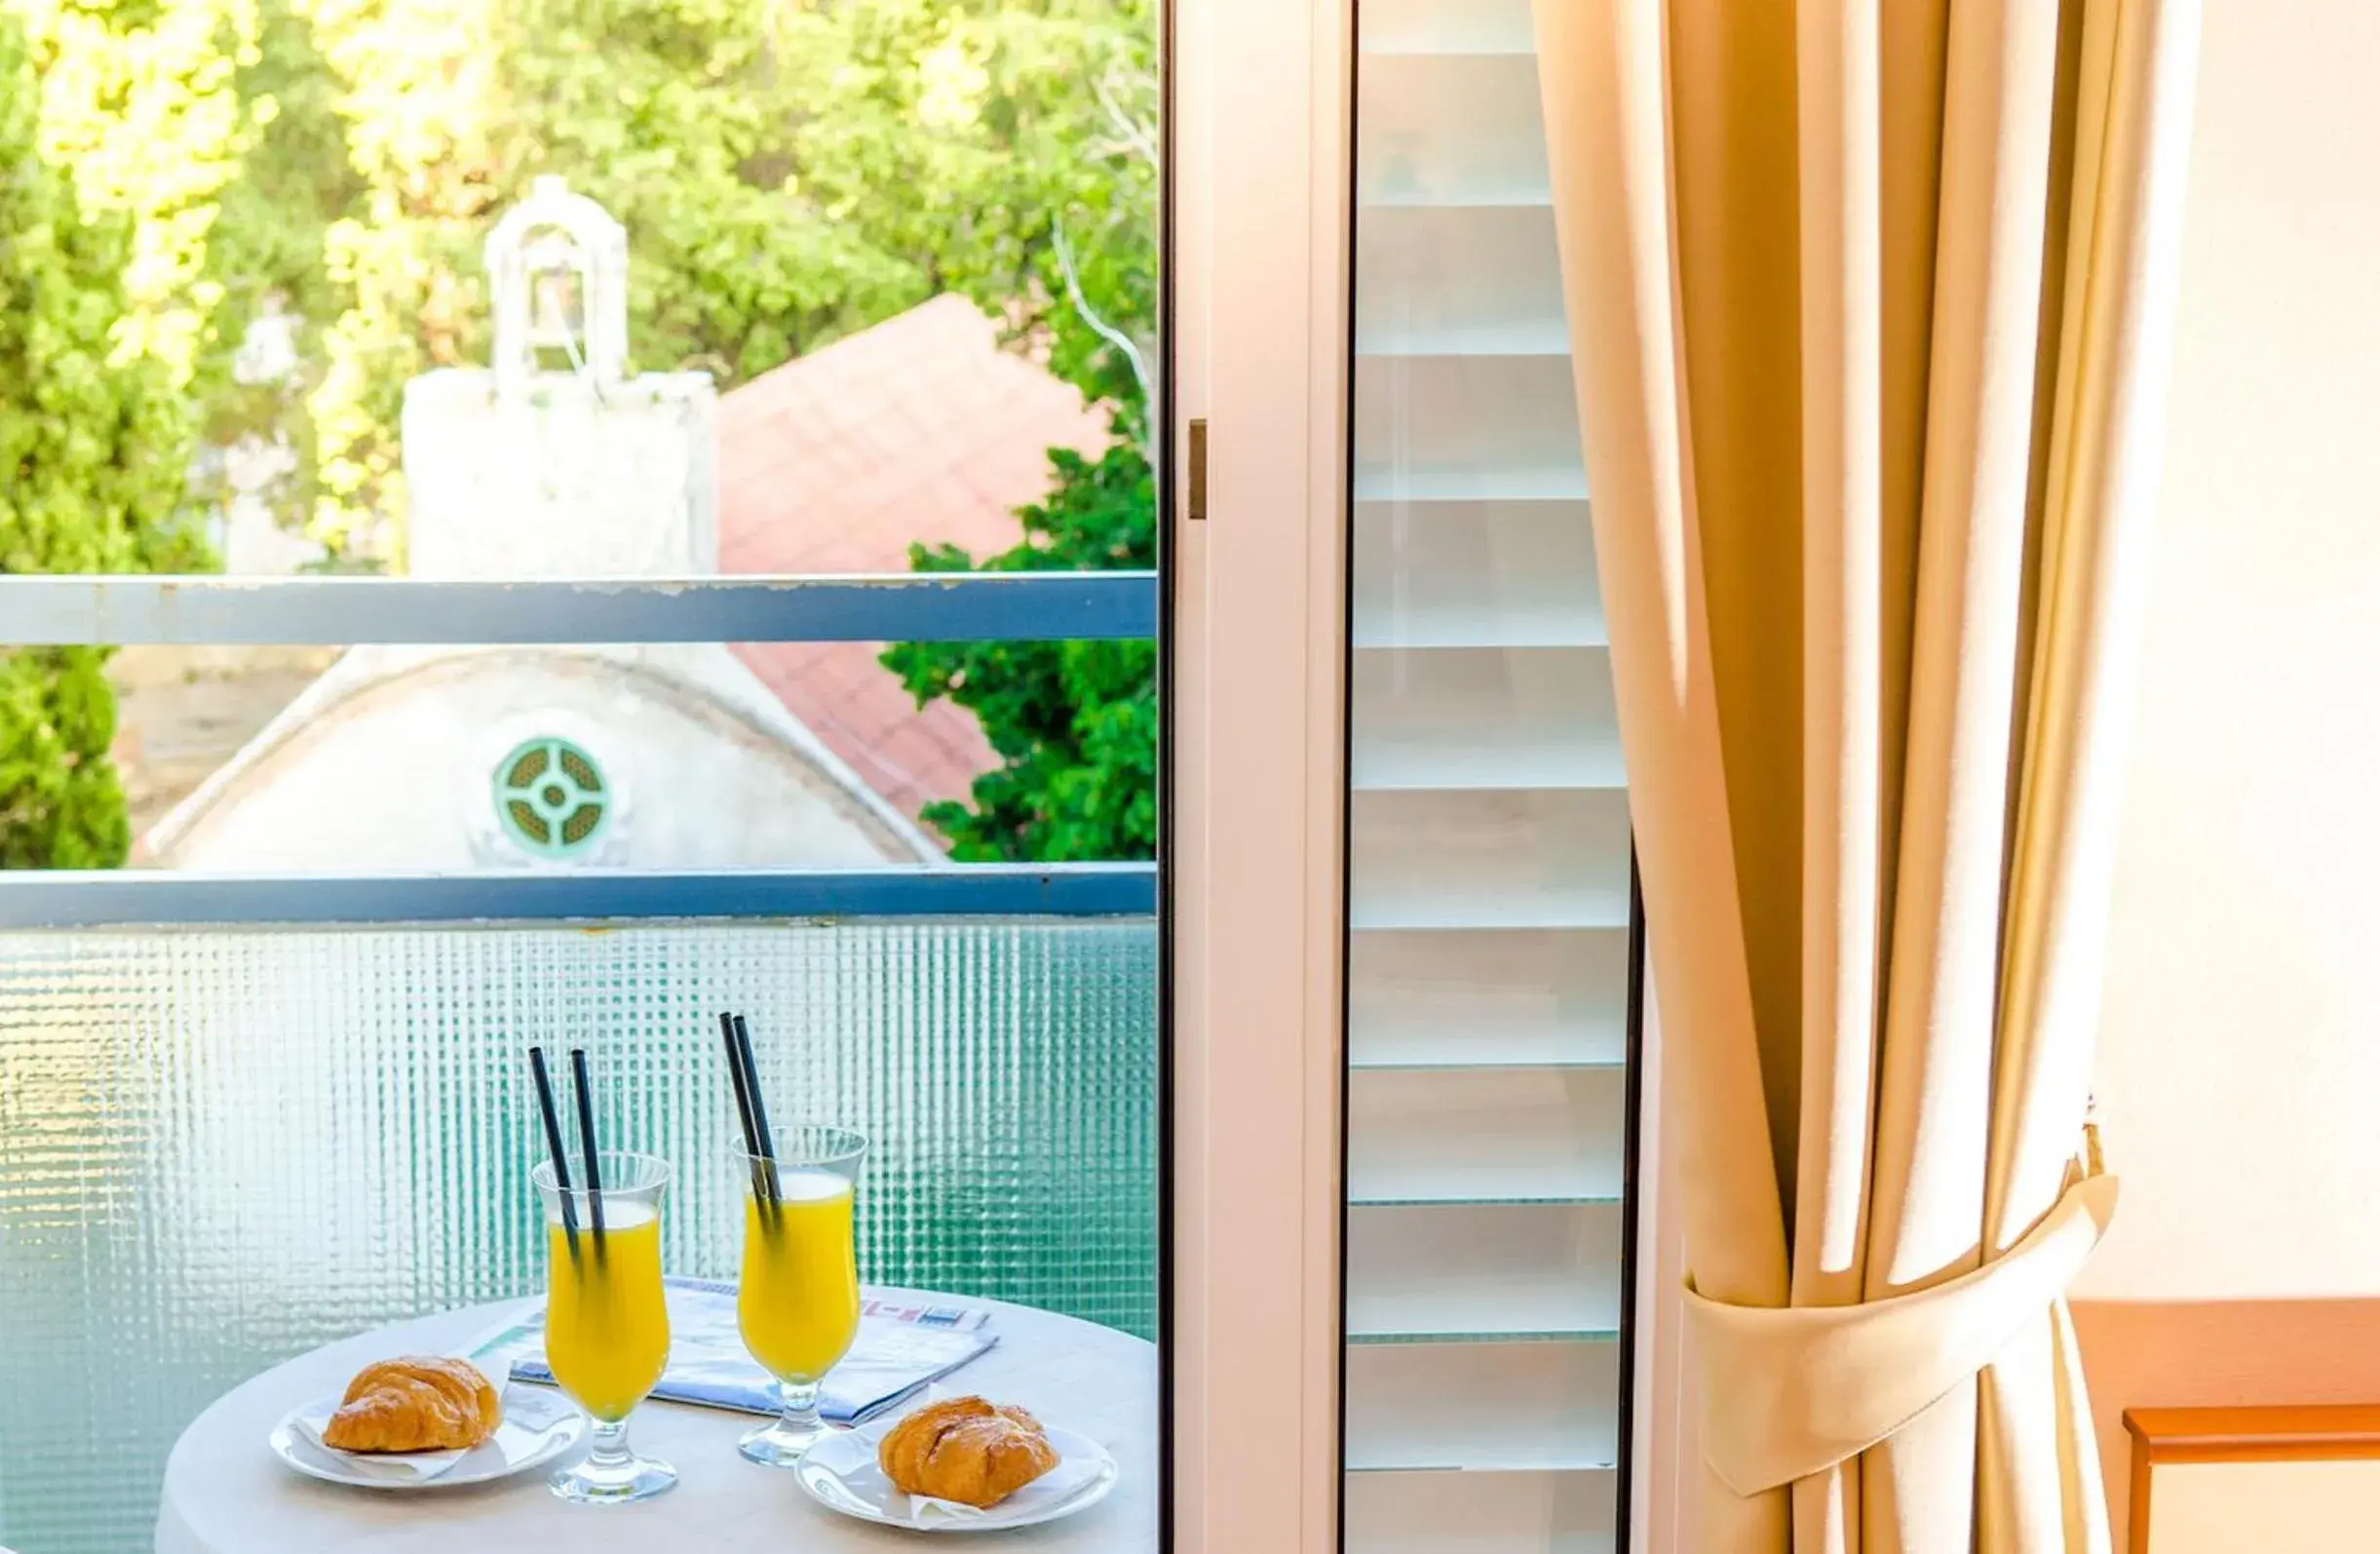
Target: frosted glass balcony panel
{"x":219,"y":1148}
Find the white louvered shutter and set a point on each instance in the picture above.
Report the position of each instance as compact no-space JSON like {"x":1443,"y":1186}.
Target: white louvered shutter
{"x":1488,"y":956}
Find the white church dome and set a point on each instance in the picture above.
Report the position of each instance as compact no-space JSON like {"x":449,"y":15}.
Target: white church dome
{"x":410,"y":758}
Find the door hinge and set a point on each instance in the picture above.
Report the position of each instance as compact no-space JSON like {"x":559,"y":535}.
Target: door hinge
{"x":1198,"y":470}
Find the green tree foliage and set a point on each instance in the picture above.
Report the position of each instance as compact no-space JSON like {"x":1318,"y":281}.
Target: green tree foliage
{"x":139,"y":101}
{"x":786,"y":173}
{"x":96,"y":437}
{"x":268,"y":250}
{"x":211,"y":126}
{"x":1074,"y":723}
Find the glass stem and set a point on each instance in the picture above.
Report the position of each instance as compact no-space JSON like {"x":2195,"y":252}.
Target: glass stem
{"x":607,"y":1443}
{"x":800,"y":1400}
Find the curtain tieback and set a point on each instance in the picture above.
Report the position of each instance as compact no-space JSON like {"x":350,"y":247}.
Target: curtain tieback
{"x":1806,"y":1387}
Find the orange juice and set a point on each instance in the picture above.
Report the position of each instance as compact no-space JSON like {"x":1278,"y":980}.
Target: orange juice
{"x":799,"y":1306}
{"x":608,"y":1332}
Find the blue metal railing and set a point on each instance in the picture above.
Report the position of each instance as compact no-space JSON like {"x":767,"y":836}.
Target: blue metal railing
{"x":345,"y":611}
{"x":130,"y":898}
{"x":970,"y":606}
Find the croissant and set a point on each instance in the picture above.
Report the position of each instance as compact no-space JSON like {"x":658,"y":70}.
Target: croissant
{"x":415,"y":1404}
{"x":966,"y":1450}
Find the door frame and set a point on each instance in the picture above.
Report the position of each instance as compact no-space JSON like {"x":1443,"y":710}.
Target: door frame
{"x":1261,"y":143}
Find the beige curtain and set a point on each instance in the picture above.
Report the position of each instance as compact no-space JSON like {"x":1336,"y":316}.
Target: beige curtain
{"x":1871,"y":303}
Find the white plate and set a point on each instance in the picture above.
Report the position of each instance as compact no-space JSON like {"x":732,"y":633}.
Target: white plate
{"x":840,"y":1473}
{"x":539,"y":1425}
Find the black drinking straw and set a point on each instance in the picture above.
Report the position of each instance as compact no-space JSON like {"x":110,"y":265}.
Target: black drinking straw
{"x":760,"y":1112}
{"x":743,"y":1114}
{"x":587,"y":1143}
{"x":555,"y":1146}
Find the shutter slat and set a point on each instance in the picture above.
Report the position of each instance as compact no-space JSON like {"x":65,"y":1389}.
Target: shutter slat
{"x":1476,"y":575}
{"x":1485,"y":718}
{"x":1482,"y":279}
{"x":1483,"y":1135}
{"x":1452,"y":130}
{"x":1431,"y":418}
{"x":1487,"y":999}
{"x":1394,"y":482}
{"x":1475,"y":1269}
{"x":1483,"y":1406}
{"x":1435,"y":26}
{"x":1520,"y":337}
{"x":1489,"y":859}
{"x":1523,"y":1512}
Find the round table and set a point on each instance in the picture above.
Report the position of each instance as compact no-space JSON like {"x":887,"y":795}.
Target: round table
{"x":227,"y":1494}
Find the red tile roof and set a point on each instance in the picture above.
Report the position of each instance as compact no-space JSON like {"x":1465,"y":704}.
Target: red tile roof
{"x":922,"y":428}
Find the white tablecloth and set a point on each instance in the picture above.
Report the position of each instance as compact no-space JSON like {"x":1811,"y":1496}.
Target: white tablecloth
{"x":225,"y":1493}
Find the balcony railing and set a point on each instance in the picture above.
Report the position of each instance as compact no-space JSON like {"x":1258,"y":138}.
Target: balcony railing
{"x":242,"y":1115}
{"x":340,"y":611}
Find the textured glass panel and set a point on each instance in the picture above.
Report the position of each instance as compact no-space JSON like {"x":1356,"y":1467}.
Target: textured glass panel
{"x":220,"y":1148}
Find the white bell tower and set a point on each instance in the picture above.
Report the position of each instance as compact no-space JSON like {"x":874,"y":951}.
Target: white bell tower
{"x":554,"y":461}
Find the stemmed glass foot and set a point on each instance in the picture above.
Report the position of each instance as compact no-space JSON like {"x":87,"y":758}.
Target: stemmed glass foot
{"x":610,"y":1474}
{"x":782,"y":1441}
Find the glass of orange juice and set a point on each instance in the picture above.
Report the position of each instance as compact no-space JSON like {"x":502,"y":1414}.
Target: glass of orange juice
{"x":798,"y":1305}
{"x":608,"y":1331}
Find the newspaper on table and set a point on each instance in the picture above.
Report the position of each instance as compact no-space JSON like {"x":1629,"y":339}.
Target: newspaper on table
{"x":903,"y":1346}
